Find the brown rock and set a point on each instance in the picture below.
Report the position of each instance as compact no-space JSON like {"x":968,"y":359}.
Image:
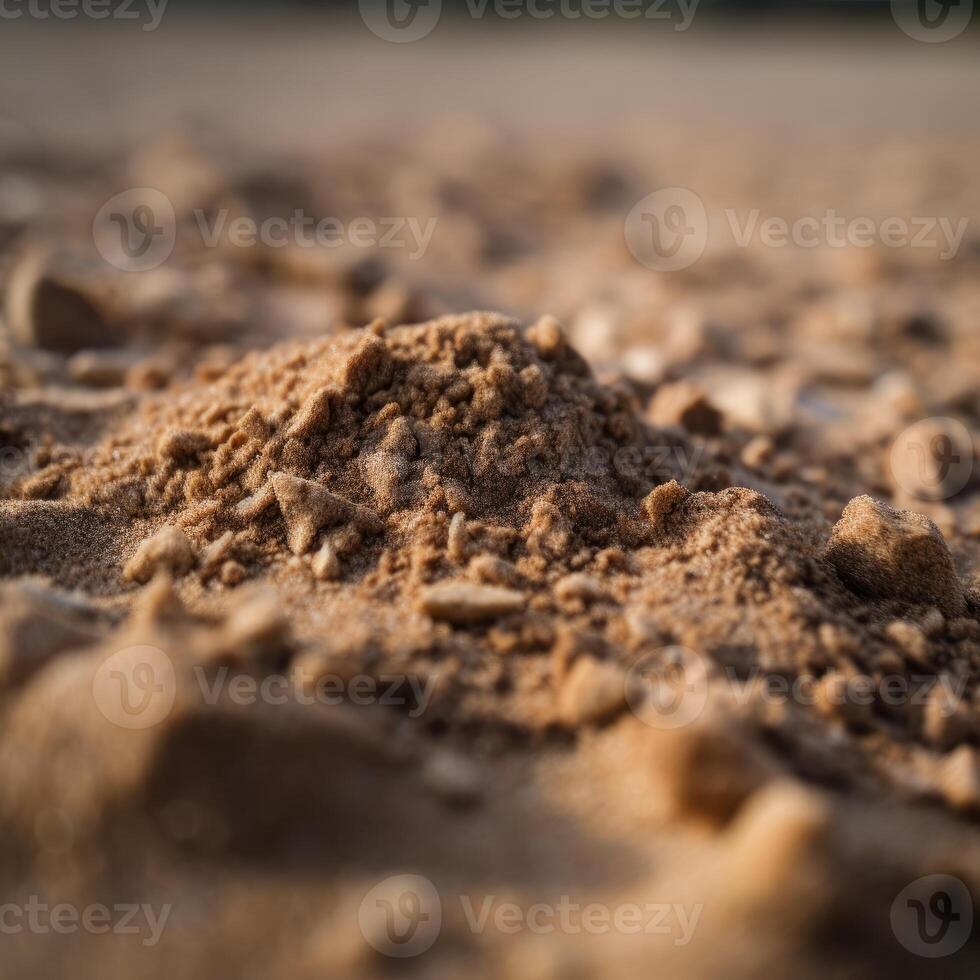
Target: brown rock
{"x":463,"y":603}
{"x":893,"y":554}
{"x":685,"y":405}
{"x":169,"y":550}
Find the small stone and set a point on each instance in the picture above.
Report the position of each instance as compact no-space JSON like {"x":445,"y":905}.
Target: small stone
{"x":660,"y":501}
{"x":326,"y":564}
{"x":894,"y":554}
{"x":458,"y":544}
{"x":312,"y":417}
{"x":96,"y":369}
{"x":757,"y":452}
{"x":548,"y":337}
{"x":462,"y":603}
{"x":578,"y":586}
{"x":48,"y":310}
{"x":306,"y":508}
{"x":452,"y":778}
{"x":959,"y":779}
{"x":496,"y":571}
{"x":946,"y":720}
{"x":686,"y":405}
{"x":250,"y":508}
{"x":592,"y":692}
{"x":168,"y":550}
{"x":233,"y":573}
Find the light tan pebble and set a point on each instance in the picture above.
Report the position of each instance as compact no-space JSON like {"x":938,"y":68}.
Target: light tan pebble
{"x":591,"y":692}
{"x":909,"y":638}
{"x":548,"y":337}
{"x":579,"y":586}
{"x":314,"y":416}
{"x":306,"y":508}
{"x":252,"y":507}
{"x":959,"y":779}
{"x":708,"y":769}
{"x":645,"y":364}
{"x":452,"y":778}
{"x":217,"y":552}
{"x":933,"y":622}
{"x":458,"y":546}
{"x":660,"y":501}
{"x":893,"y":554}
{"x":169,"y":550}
{"x":462,"y":603}
{"x":686,"y":405}
{"x":946,"y":719}
{"x":757,"y":452}
{"x":847,"y":698}
{"x":495,"y":571}
{"x":233,"y":573}
{"x":95,"y":369}
{"x":326,"y":564}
